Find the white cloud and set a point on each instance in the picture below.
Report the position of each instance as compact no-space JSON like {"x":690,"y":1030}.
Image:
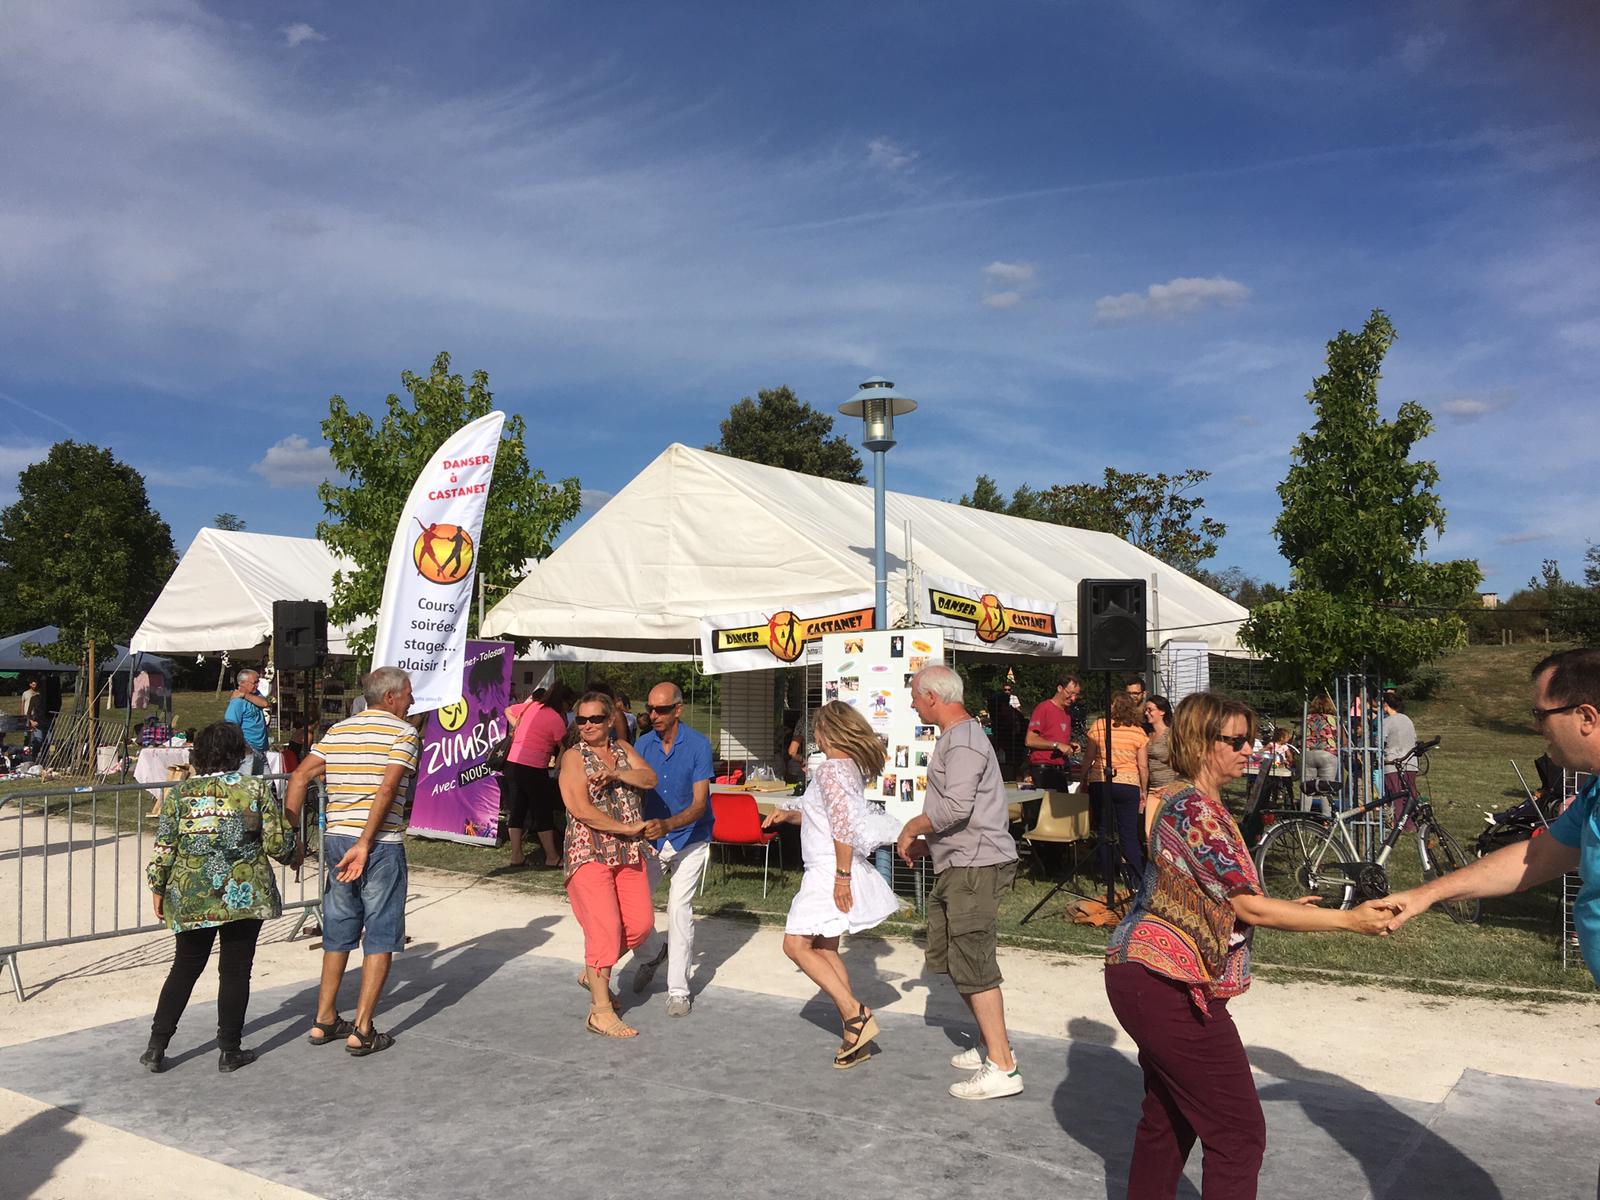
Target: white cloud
{"x":1003,"y":299}
{"x":1006,"y":283}
{"x":300,"y":32}
{"x":592,"y":499}
{"x":294,"y":462}
{"x":1472,"y":406}
{"x":889,"y":155}
{"x":1526,"y":535}
{"x":17,"y":456}
{"x":1176,"y":297}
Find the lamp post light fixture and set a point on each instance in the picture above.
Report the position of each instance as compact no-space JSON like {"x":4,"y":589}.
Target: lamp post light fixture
{"x":877,"y":404}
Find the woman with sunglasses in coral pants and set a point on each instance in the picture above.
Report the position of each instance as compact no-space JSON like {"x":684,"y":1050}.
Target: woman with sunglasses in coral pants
{"x":1184,"y":949}
{"x":606,"y":852}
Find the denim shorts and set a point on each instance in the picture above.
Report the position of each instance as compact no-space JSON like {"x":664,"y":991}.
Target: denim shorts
{"x":375,"y":903}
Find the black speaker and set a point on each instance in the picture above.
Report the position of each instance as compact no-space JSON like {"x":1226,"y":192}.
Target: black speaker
{"x":299,"y":634}
{"x":1111,"y":625}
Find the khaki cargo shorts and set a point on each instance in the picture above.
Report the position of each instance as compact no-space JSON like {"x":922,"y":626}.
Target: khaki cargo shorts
{"x":962,"y":910}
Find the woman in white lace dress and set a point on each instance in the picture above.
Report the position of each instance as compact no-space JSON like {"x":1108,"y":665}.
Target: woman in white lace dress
{"x":841,"y":892}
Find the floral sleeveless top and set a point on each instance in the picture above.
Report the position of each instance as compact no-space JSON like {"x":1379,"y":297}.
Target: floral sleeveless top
{"x":619,"y":802}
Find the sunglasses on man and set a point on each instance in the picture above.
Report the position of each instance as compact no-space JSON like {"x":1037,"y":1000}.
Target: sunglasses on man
{"x":662,"y":710}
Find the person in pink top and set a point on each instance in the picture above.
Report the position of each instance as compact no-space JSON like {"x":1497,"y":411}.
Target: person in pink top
{"x":534,"y":796}
{"x":1049,"y":736}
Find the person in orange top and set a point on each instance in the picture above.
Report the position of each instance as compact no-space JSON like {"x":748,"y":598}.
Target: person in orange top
{"x":1119,"y":795}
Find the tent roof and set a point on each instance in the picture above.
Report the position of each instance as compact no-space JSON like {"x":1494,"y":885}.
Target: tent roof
{"x":14,"y":658}
{"x":699,"y":534}
{"x":220,"y":597}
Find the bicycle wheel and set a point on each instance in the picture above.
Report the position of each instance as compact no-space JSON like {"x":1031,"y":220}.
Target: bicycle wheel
{"x":1302,"y":858}
{"x":1439,"y":855}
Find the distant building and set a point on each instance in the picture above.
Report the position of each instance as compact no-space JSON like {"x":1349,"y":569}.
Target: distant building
{"x":1490,"y":599}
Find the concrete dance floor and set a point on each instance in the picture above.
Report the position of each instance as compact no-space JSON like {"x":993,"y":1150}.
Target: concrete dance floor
{"x":494,"y":1089}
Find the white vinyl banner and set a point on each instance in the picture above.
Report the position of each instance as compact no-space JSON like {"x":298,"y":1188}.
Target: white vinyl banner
{"x":974,"y":616}
{"x":422,"y":626}
{"x":757,"y":641}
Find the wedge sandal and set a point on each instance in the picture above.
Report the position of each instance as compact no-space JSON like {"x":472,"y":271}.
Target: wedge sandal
{"x":865,"y":1027}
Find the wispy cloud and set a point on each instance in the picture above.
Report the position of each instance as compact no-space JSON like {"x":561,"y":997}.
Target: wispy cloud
{"x":294,"y":462}
{"x":1473,"y":406}
{"x":299,"y":33}
{"x":889,"y":155}
{"x":1175,"y":298}
{"x":1526,"y":535}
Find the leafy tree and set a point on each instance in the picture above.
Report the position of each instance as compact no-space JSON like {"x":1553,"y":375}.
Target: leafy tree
{"x":780,"y":431}
{"x":81,"y":549}
{"x":381,"y":461}
{"x":1240,"y":587}
{"x":1357,"y":513}
{"x":232,"y":522}
{"x":1158,"y":513}
{"x":1575,"y":611}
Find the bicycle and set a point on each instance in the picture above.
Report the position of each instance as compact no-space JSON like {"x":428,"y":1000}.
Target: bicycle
{"x":1310,"y":854}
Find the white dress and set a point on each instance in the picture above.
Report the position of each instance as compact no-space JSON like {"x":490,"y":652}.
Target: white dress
{"x":835,"y":807}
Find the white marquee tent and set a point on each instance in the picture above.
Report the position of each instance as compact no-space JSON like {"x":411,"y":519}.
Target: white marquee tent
{"x":220,"y":597}
{"x":697,"y":534}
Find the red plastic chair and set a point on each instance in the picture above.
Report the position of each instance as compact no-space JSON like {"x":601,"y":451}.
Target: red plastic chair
{"x":736,"y":821}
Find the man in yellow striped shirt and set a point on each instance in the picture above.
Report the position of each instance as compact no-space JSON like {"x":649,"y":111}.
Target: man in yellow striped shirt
{"x":366,"y":760}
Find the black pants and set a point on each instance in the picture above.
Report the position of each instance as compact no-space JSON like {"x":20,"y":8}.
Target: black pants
{"x":1124,"y":800}
{"x":234,"y":961}
{"x":534,"y":798}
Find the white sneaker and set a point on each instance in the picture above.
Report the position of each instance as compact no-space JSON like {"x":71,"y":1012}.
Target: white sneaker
{"x":970,"y":1059}
{"x":988,"y":1083}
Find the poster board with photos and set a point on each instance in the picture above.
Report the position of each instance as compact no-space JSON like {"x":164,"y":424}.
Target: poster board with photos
{"x":871,"y":672}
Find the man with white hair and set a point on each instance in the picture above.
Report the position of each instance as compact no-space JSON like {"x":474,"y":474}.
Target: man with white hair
{"x":367,"y":759}
{"x":967,"y":830}
{"x":247,"y":708}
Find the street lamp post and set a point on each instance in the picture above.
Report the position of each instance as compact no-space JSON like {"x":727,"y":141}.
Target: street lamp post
{"x":877,"y":404}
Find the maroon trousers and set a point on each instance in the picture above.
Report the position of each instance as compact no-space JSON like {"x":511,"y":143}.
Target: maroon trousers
{"x":1197,"y":1083}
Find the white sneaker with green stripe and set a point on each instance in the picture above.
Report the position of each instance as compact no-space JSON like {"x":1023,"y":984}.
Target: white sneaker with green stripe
{"x":989,"y":1082}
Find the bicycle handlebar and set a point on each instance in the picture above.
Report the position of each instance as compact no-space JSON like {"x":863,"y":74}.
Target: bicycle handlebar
{"x":1417,"y":751}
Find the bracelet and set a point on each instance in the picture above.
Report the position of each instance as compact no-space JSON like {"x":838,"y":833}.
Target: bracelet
{"x":838,"y":874}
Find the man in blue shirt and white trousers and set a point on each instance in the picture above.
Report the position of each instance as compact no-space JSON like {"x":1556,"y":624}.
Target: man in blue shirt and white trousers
{"x":1566,"y":711}
{"x":247,"y":709}
{"x":677,"y":814}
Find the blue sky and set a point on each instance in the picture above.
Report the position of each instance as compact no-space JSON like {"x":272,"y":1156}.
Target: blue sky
{"x":1078,"y":234}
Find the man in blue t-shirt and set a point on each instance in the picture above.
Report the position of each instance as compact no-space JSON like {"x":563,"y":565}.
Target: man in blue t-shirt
{"x":677,"y":814}
{"x":247,"y":709}
{"x":1566,"y":711}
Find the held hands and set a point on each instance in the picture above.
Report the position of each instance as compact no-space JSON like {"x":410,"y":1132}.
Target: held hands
{"x":1376,"y":918}
{"x":910,"y":848}
{"x":654,"y":829}
{"x":1409,"y":904}
{"x":635,"y":829}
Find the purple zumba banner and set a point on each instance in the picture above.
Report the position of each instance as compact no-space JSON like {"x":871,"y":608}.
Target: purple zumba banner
{"x":458,"y":797}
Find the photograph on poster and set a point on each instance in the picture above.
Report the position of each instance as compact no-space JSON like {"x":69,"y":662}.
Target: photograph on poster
{"x":921,"y":759}
{"x":830,"y":690}
{"x":888,"y":786}
{"x":882,"y":709}
{"x":902,"y":756}
{"x":908,"y":791}
{"x":924,"y":733}
{"x":854,"y":645}
{"x":908,"y":679}
{"x":922,"y":783}
{"x":849,"y":687}
{"x":897,"y":647}
{"x":916,"y":662}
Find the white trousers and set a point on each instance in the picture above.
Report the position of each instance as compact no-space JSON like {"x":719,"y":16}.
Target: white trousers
{"x":684,"y":869}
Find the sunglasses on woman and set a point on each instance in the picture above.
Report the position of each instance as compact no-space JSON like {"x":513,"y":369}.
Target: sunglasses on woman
{"x":1237,"y":743}
{"x":596,"y":719}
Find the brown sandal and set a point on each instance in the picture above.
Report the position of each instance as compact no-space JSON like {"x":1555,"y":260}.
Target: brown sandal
{"x":618,"y":1028}
{"x":865,"y":1027}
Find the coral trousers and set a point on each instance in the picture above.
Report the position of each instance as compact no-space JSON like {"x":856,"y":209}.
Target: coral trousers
{"x":614,"y":908}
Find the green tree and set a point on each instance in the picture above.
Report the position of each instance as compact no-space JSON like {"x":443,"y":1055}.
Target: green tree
{"x":232,"y":522}
{"x":1576,"y":610}
{"x":381,"y":460}
{"x":81,"y":549}
{"x":1240,"y":586}
{"x":1160,"y":513}
{"x":779,"y":430}
{"x":1357,"y":513}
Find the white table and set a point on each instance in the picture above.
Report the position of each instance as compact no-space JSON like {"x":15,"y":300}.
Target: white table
{"x":153,"y":761}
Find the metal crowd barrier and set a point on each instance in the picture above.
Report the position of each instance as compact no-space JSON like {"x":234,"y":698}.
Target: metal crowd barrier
{"x":79,"y":854}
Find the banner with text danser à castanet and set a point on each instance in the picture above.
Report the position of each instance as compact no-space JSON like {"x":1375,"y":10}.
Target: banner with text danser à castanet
{"x":984,"y":617}
{"x":787,"y":635}
{"x":457,"y":796}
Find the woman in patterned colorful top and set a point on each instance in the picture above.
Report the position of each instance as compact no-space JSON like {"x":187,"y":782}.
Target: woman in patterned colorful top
{"x":607,"y":881}
{"x":209,"y":879}
{"x":1321,"y":762}
{"x":1184,"y":949}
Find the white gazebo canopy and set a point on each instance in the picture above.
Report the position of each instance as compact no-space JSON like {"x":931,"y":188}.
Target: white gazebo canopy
{"x":220,"y":597}
{"x":698,"y":534}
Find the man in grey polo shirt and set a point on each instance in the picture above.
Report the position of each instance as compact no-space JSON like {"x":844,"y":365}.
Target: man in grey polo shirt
{"x":966,"y":827}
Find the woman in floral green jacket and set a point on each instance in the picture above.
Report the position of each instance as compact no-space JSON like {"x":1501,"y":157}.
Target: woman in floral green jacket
{"x":210,"y":872}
